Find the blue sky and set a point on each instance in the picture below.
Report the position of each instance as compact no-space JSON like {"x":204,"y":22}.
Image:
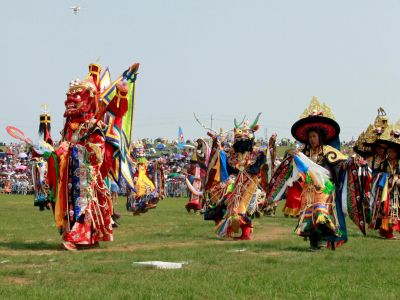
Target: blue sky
{"x":226,"y":58}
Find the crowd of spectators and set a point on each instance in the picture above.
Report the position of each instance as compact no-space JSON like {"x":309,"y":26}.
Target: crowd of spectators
{"x":15,"y":170}
{"x":16,"y":177}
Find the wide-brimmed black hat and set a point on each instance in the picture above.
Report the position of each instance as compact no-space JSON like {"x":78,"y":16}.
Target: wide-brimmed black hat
{"x":316,"y":117}
{"x":327,"y":127}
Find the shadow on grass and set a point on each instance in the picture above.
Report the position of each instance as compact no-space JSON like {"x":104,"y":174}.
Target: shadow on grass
{"x":378,"y":237}
{"x":15,"y":245}
{"x":218,"y":239}
{"x":297,"y":249}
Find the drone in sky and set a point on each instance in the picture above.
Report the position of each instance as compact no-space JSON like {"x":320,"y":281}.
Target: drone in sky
{"x":75,"y":9}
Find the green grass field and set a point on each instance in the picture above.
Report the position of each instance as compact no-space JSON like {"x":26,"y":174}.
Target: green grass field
{"x":275,"y":265}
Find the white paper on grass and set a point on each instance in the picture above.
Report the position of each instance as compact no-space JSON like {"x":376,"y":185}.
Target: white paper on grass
{"x":237,"y":250}
{"x":160,"y":264}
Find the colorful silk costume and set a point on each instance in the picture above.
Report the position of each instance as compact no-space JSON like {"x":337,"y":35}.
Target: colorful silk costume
{"x":370,"y":153}
{"x":245,"y":161}
{"x":145,"y":195}
{"x":385,"y":188}
{"x":80,"y":164}
{"x":43,"y":198}
{"x":218,"y":184}
{"x":197,"y":175}
{"x":318,"y":174}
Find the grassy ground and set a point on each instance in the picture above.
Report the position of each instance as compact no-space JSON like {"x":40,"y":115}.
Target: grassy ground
{"x":280,"y":151}
{"x":275,"y":265}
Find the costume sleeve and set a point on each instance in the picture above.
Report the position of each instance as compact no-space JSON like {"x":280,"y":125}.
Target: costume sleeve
{"x":106,"y":166}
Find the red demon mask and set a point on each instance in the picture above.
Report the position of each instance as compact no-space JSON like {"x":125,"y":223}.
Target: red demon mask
{"x":81,"y":99}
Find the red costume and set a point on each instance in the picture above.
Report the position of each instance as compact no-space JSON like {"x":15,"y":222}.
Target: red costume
{"x":77,"y":170}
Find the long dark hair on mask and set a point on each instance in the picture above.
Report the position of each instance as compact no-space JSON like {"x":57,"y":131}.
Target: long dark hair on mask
{"x":243,"y":146}
{"x":43,"y":127}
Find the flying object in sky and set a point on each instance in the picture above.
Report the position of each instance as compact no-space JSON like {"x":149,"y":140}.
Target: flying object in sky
{"x":75,"y":9}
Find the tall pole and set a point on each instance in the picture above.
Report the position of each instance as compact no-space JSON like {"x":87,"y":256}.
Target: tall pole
{"x":211,"y":121}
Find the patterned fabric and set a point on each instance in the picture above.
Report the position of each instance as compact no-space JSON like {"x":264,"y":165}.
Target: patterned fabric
{"x":352,"y":200}
{"x":316,"y":213}
{"x":239,"y":160}
{"x":83,"y":207}
{"x":39,"y":169}
{"x":385,"y":203}
{"x":238,"y":202}
{"x":144,"y":195}
{"x":279,"y":179}
{"x":158,"y":179}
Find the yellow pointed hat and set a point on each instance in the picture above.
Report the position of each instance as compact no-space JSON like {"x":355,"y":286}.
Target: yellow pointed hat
{"x":373,"y":132}
{"x":391,"y":135}
{"x":360,"y":147}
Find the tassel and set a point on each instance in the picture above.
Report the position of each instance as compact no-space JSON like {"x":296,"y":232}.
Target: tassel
{"x":222,"y":228}
{"x":308,"y":178}
{"x":385,"y":224}
{"x":321,"y":219}
{"x":329,"y":187}
{"x":235,"y":223}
